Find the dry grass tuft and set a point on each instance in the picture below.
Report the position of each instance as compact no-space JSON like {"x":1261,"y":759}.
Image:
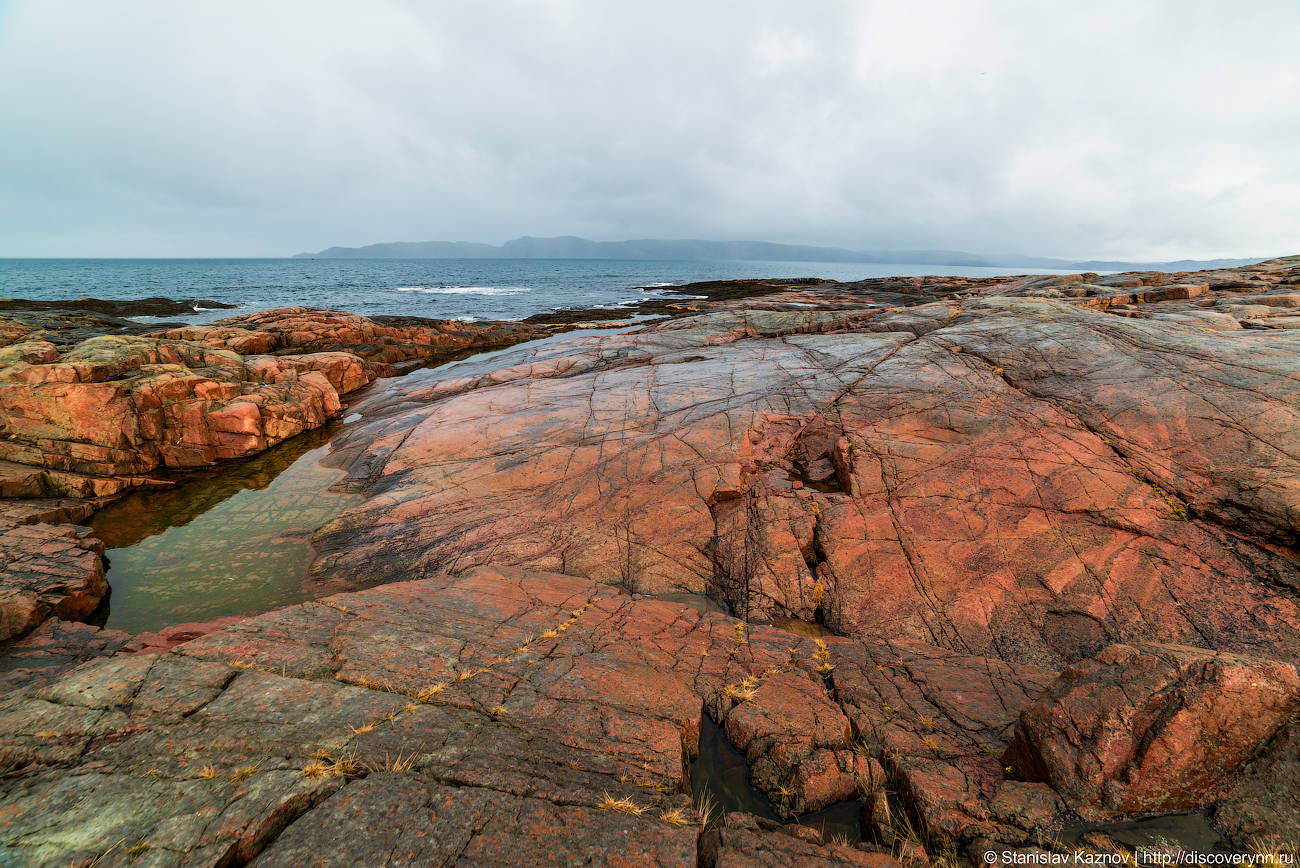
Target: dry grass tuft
{"x":1272,"y":853}
{"x":243,"y":773}
{"x":400,"y":764}
{"x":739,"y":692}
{"x":675,"y":817}
{"x":430,"y":692}
{"x":550,"y":634}
{"x":840,"y":839}
{"x":382,"y":686}
{"x":207,"y":773}
{"x":625,"y":805}
{"x":152,"y":773}
{"x":138,"y":849}
{"x":347,"y":765}
{"x":324,"y":765}
{"x":359,"y":730}
{"x":740,"y":633}
{"x":823,"y":658}
{"x":865,"y":785}
{"x":316,"y":769}
{"x":707,"y":810}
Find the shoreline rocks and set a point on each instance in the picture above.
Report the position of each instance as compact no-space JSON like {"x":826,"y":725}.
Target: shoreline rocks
{"x":115,"y":412}
{"x":117,"y":307}
{"x":1053,"y":521}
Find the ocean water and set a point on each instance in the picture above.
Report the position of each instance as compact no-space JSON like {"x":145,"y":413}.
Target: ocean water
{"x":498,"y":289}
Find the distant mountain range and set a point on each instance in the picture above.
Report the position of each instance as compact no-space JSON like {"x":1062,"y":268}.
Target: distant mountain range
{"x":569,"y":247}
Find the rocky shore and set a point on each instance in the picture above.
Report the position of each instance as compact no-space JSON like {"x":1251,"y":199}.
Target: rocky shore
{"x":1007,"y":562}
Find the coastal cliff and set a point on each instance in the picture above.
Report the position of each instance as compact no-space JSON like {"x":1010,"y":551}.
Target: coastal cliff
{"x":1004,"y":558}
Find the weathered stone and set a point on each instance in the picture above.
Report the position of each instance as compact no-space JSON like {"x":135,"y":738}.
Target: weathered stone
{"x":47,"y":569}
{"x":1151,"y":727}
{"x":1016,"y":499}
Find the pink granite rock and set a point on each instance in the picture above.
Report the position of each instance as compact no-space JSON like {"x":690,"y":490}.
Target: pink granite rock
{"x":1152,"y":727}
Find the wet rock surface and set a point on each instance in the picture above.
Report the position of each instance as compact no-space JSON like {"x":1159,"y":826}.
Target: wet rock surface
{"x":1051,"y":519}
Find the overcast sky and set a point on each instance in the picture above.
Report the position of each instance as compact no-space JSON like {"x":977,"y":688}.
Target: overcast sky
{"x":1137,"y":129}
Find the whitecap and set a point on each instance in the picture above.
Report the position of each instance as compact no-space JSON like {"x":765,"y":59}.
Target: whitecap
{"x":466,"y":290}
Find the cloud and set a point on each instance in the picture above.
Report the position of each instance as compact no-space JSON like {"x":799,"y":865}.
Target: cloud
{"x":1144,"y":131}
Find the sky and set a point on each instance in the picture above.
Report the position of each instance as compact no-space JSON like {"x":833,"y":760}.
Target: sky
{"x":1144,"y":131}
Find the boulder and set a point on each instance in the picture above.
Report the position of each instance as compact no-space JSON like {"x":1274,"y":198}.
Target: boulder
{"x":1152,"y":727}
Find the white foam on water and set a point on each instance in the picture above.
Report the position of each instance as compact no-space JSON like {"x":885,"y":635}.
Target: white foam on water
{"x":465,"y":290}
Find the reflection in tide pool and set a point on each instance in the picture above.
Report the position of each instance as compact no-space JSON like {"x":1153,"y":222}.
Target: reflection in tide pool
{"x":231,"y":540}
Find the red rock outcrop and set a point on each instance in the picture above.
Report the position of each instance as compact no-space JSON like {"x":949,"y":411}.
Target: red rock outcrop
{"x":1152,"y":727}
{"x":975,"y":483}
{"x":99,"y":418}
{"x":1014,"y":478}
{"x":122,"y":406}
{"x":297,"y":330}
{"x":126,"y":406}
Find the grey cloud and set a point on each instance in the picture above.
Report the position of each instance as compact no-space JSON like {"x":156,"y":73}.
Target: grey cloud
{"x":1112,"y":130}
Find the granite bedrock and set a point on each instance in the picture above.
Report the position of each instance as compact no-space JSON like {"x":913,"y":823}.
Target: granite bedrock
{"x":1052,"y":521}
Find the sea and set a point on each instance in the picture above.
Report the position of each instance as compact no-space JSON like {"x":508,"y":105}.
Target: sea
{"x":465,"y":289}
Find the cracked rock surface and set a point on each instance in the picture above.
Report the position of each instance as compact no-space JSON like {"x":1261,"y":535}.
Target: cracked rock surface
{"x":1011,"y":477}
{"x":1036,"y":538}
{"x":488,"y":719}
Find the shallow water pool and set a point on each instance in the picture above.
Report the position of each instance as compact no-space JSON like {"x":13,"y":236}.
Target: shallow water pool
{"x":230,"y":540}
